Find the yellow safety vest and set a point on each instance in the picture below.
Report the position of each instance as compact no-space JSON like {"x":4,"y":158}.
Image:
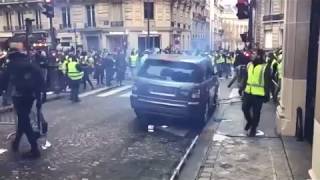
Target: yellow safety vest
{"x":229,"y":60}
{"x":134,"y":60}
{"x":255,"y":82}
{"x":73,"y":72}
{"x":220,"y":60}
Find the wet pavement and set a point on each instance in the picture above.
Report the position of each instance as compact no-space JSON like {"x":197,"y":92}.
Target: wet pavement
{"x":98,"y":138}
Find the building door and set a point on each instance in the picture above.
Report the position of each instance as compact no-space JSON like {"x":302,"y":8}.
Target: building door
{"x":312,"y":70}
{"x":93,"y":42}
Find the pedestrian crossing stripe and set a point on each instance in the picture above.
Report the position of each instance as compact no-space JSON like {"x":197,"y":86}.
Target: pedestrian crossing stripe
{"x":128,"y":94}
{"x":115,"y":91}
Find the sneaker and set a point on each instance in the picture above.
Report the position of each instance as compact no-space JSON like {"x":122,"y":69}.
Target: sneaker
{"x":252,"y":132}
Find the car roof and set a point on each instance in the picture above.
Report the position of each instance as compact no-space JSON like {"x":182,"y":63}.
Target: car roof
{"x":177,"y":58}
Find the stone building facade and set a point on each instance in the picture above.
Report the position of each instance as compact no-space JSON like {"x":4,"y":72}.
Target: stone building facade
{"x":216,"y":31}
{"x":98,"y":24}
{"x":269,"y":23}
{"x":300,"y":87}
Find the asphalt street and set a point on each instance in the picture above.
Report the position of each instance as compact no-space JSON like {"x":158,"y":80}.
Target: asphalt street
{"x":98,"y":138}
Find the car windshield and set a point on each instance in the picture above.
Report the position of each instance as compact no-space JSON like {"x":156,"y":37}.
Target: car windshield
{"x":171,"y":71}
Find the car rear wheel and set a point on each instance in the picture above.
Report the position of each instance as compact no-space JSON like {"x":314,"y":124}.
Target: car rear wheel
{"x":141,"y":118}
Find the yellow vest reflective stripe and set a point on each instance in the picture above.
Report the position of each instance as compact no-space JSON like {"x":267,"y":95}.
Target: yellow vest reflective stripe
{"x":280,"y":70}
{"x":255,"y":81}
{"x":73,"y":72}
{"x":230,"y":60}
{"x":220,"y":60}
{"x":134,"y":59}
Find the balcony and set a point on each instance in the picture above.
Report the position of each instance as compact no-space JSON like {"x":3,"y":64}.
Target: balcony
{"x":5,"y":2}
{"x":116,"y":23}
{"x":273,"y":17}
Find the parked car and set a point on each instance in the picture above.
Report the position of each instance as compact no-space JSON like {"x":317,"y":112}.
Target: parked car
{"x":175,"y":86}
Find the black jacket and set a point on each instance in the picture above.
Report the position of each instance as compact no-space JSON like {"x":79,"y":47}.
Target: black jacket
{"x":25,"y":77}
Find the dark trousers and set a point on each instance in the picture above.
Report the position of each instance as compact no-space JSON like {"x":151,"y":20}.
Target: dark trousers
{"x":75,"y":85}
{"x":109,"y":76}
{"x":251,"y":108}
{"x":23,"y":107}
{"x":86,"y":79}
{"x":99,"y":76}
{"x":62,"y":81}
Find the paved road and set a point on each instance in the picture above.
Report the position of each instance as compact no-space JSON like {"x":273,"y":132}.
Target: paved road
{"x":98,"y":138}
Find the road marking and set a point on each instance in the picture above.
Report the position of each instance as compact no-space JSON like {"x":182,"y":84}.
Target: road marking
{"x":94,"y":92}
{"x":3,"y":151}
{"x":115,"y":91}
{"x":126,"y":95}
{"x":50,"y":93}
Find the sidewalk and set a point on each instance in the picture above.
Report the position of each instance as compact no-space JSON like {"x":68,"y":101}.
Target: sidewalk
{"x":234,"y":156}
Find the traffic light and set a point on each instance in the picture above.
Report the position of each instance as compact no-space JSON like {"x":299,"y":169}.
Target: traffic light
{"x":243,"y":9}
{"x":49,"y":9}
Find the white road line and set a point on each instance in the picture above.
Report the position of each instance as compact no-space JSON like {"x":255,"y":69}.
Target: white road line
{"x":3,"y":151}
{"x":93,"y":92}
{"x":115,"y":91}
{"x":126,"y":95}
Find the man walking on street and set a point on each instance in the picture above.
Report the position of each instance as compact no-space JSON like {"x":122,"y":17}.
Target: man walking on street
{"x":75,"y":74}
{"x":256,"y":91}
{"x":27,"y":82}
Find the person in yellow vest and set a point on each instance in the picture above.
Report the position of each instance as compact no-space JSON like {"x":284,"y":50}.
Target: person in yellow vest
{"x":256,"y":91}
{"x":220,"y":61}
{"x":229,"y":63}
{"x":75,"y":74}
{"x":133,"y":62}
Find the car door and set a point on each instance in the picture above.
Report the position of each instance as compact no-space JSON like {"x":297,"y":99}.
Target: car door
{"x":210,"y":83}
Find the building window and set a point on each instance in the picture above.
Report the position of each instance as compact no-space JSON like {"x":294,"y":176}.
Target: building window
{"x":116,"y":12}
{"x":9,"y":20}
{"x":91,"y":20}
{"x":148,"y":10}
{"x":268,"y":39}
{"x":20,"y":20}
{"x":38,"y":18}
{"x":179,"y":25}
{"x":268,"y":7}
{"x":66,"y":20}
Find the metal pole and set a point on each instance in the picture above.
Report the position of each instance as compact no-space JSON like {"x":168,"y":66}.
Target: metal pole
{"x":148,"y":21}
{"x":250,"y":30}
{"x":53,"y":38}
{"x":75,"y":38}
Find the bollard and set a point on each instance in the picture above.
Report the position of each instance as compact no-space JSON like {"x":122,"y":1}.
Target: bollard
{"x":299,"y":125}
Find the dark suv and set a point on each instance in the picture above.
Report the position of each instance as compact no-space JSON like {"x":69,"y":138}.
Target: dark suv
{"x":175,"y":86}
